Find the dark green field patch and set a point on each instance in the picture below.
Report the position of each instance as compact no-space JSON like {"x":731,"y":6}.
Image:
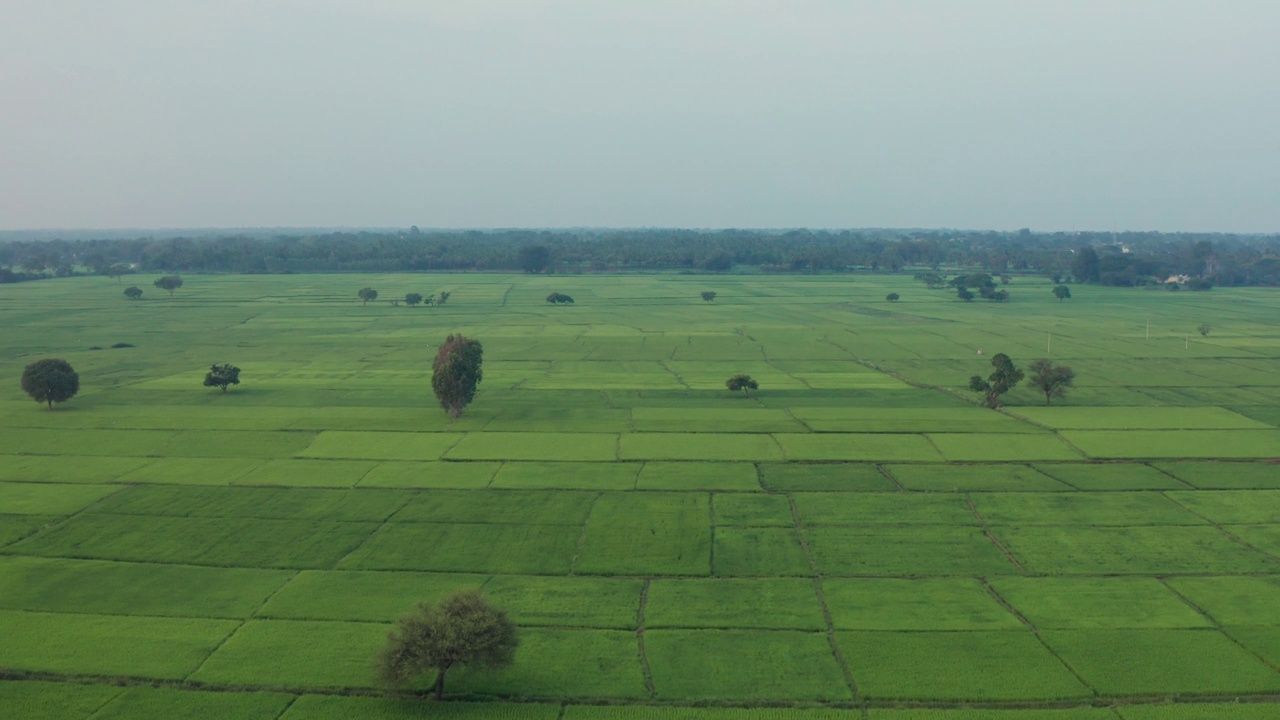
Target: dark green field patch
{"x":106,"y":443}
{"x":818,"y":477}
{"x":50,"y":499}
{"x":882,"y":509}
{"x":191,"y":471}
{"x":720,"y":420}
{"x":1225,"y":475}
{"x":1150,"y":550}
{"x":976,"y":478}
{"x":439,"y":475}
{"x":1107,"y":602}
{"x":34,"y":700}
{"x":987,"y":665}
{"x":66,"y":469}
{"x":116,"y":588}
{"x":906,"y":551}
{"x":567,"y":475}
{"x":743,"y":665}
{"x":1118,"y":662}
{"x":752,"y":510}
{"x":1114,"y":508}
{"x":567,"y":602}
{"x":362,"y":596}
{"x":465,"y":547}
{"x":511,"y":507}
{"x":251,"y":502}
{"x":1110,"y":476}
{"x":1201,"y":711}
{"x":149,"y":703}
{"x":339,"y":707}
{"x":647,"y":534}
{"x":308,"y":473}
{"x":759,"y":552}
{"x":227,"y":542}
{"x":907,"y":420}
{"x":724,"y":603}
{"x":563,"y":663}
{"x":923,"y":604}
{"x":1233,"y":600}
{"x":698,"y":476}
{"x":148,"y":647}
{"x":1078,"y":713}
{"x":16,"y":527}
{"x":296,"y":653}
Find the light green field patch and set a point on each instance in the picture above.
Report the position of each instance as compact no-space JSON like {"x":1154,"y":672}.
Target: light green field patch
{"x":863,"y":509}
{"x":567,"y":602}
{"x":563,"y":663}
{"x":35,"y":700}
{"x":863,"y":447}
{"x":459,"y":547}
{"x":66,"y":469}
{"x":339,"y":707}
{"x":1153,"y":550}
{"x":1200,"y":711}
{"x":1122,"y":662}
{"x":1232,"y":506}
{"x":1176,"y":443}
{"x":116,"y":588}
{"x":752,"y":510}
{"x":191,"y":471}
{"x":105,"y":443}
{"x":265,"y":503}
{"x":922,"y":604}
{"x":698,"y":446}
{"x":235,"y":444}
{"x":743,"y":665}
{"x":1110,"y":476}
{"x":308,"y":473}
{"x":1114,"y":508}
{"x":1233,"y":600}
{"x":50,"y":499}
{"x":677,"y":712}
{"x":907,"y":420}
{"x":226,"y":542}
{"x":698,"y":476}
{"x":977,"y":478}
{"x":716,"y":420}
{"x":149,"y":647}
{"x":1106,"y":602}
{"x":906,"y":551}
{"x":512,"y":507}
{"x":459,"y":475}
{"x":759,"y":552}
{"x":595,"y":447}
{"x":1078,"y":713}
{"x":296,"y":653}
{"x":362,"y":596}
{"x":567,"y":475}
{"x":725,"y":603}
{"x":647,"y":534}
{"x":381,"y":445}
{"x":1225,"y":475}
{"x":1138,"y":418}
{"x":817,"y":477}
{"x":983,"y":447}
{"x":146,"y":703}
{"x":986,"y":665}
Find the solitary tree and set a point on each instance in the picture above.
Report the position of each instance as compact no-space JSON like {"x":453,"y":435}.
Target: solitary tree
{"x":412,"y":299}
{"x":1203,"y":329}
{"x":463,"y":630}
{"x":366,"y":294}
{"x":50,"y":381}
{"x":1000,"y":381}
{"x":444,"y":298}
{"x":116,"y":270}
{"x":1062,"y":292}
{"x":169,"y":282}
{"x":743,"y":383}
{"x":456,"y":372}
{"x":556,"y":298}
{"x":221,"y":376}
{"x":133,"y":292}
{"x":1052,"y":380}
{"x":892,"y":297}
{"x":708,"y":295}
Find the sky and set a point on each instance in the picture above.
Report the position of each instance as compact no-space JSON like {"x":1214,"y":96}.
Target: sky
{"x":1001,"y":114}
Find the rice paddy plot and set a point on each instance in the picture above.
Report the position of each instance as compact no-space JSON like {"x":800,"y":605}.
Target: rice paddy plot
{"x":818,"y":477}
{"x":588,"y":602}
{"x":698,"y":476}
{"x":1200,"y":711}
{"x":752,"y":510}
{"x":1102,"y":602}
{"x":468,"y":547}
{"x":1147,"y":550}
{"x":906,"y":551}
{"x":1229,"y":507}
{"x":1125,"y":509}
{"x":908,"y":420}
{"x":262,"y":503}
{"x":508,"y":507}
{"x":988,"y":664}
{"x":555,"y":662}
{"x":728,"y":603}
{"x":36,"y":700}
{"x":1224,"y":475}
{"x":990,"y":477}
{"x":340,"y":707}
{"x":1076,"y":713}
{"x":1125,"y":662}
{"x":859,"y":447}
{"x":567,"y":475}
{"x":50,"y":499}
{"x":106,"y":443}
{"x":361,"y":596}
{"x":743,"y":665}
{"x":919,"y":604}
{"x":648,"y":534}
{"x":122,"y":588}
{"x":1232,"y":600}
{"x":698,"y":446}
{"x":865,"y":509}
{"x":454,"y":475}
{"x":1139,"y":418}
{"x":16,"y":527}
{"x":1137,"y":444}
{"x":307,"y":473}
{"x":1005,"y":447}
{"x":190,"y":471}
{"x":719,"y":420}
{"x":380,"y":445}
{"x":295,"y":653}
{"x":582,"y":447}
{"x":66,"y":469}
{"x":759,"y":552}
{"x":144,"y":703}
{"x":1111,"y":476}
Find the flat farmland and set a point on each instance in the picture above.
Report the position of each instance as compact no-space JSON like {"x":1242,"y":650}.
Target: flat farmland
{"x":855,"y":539}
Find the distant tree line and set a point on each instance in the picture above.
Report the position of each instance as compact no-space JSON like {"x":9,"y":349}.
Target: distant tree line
{"x":1125,"y":259}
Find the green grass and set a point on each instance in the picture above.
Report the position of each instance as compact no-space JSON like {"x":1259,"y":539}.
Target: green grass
{"x":705,"y":664}
{"x":296,"y":654}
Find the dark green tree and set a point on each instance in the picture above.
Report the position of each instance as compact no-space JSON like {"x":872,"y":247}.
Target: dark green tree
{"x":1052,"y":380}
{"x":743,"y":383}
{"x":556,"y":298}
{"x":892,"y":297}
{"x":116,"y":270}
{"x":534,"y":258}
{"x":463,"y":630}
{"x":366,"y":294}
{"x":1000,"y":381}
{"x":169,"y":282}
{"x":456,"y":372}
{"x":1086,"y":267}
{"x":444,"y":298}
{"x":133,"y":292}
{"x":1203,"y":329}
{"x":412,"y":299}
{"x":222,"y":375}
{"x":50,"y":381}
{"x":708,"y":295}
{"x":1062,"y":292}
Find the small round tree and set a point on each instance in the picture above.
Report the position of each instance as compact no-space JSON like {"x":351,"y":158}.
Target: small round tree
{"x":133,"y":292}
{"x":743,"y":383}
{"x":1062,"y":292}
{"x":367,"y":294}
{"x":169,"y":282}
{"x":222,"y":375}
{"x":892,"y":297}
{"x":412,"y":299}
{"x":50,"y":381}
{"x":708,"y":295}
{"x":1000,"y":381}
{"x":463,"y":630}
{"x":456,"y":372}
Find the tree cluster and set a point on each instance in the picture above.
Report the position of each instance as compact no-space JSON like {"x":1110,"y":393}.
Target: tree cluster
{"x":983,"y":282}
{"x":557,"y":298}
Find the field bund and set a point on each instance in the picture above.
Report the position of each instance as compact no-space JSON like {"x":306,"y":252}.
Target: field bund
{"x":857,"y":539}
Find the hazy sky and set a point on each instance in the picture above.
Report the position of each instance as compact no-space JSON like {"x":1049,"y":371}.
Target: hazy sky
{"x":1070,"y":114}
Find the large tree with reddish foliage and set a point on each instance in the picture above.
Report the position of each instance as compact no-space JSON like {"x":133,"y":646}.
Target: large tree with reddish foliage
{"x":456,"y":372}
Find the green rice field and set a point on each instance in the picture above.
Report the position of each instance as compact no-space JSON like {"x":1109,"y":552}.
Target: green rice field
{"x":856,"y":539}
